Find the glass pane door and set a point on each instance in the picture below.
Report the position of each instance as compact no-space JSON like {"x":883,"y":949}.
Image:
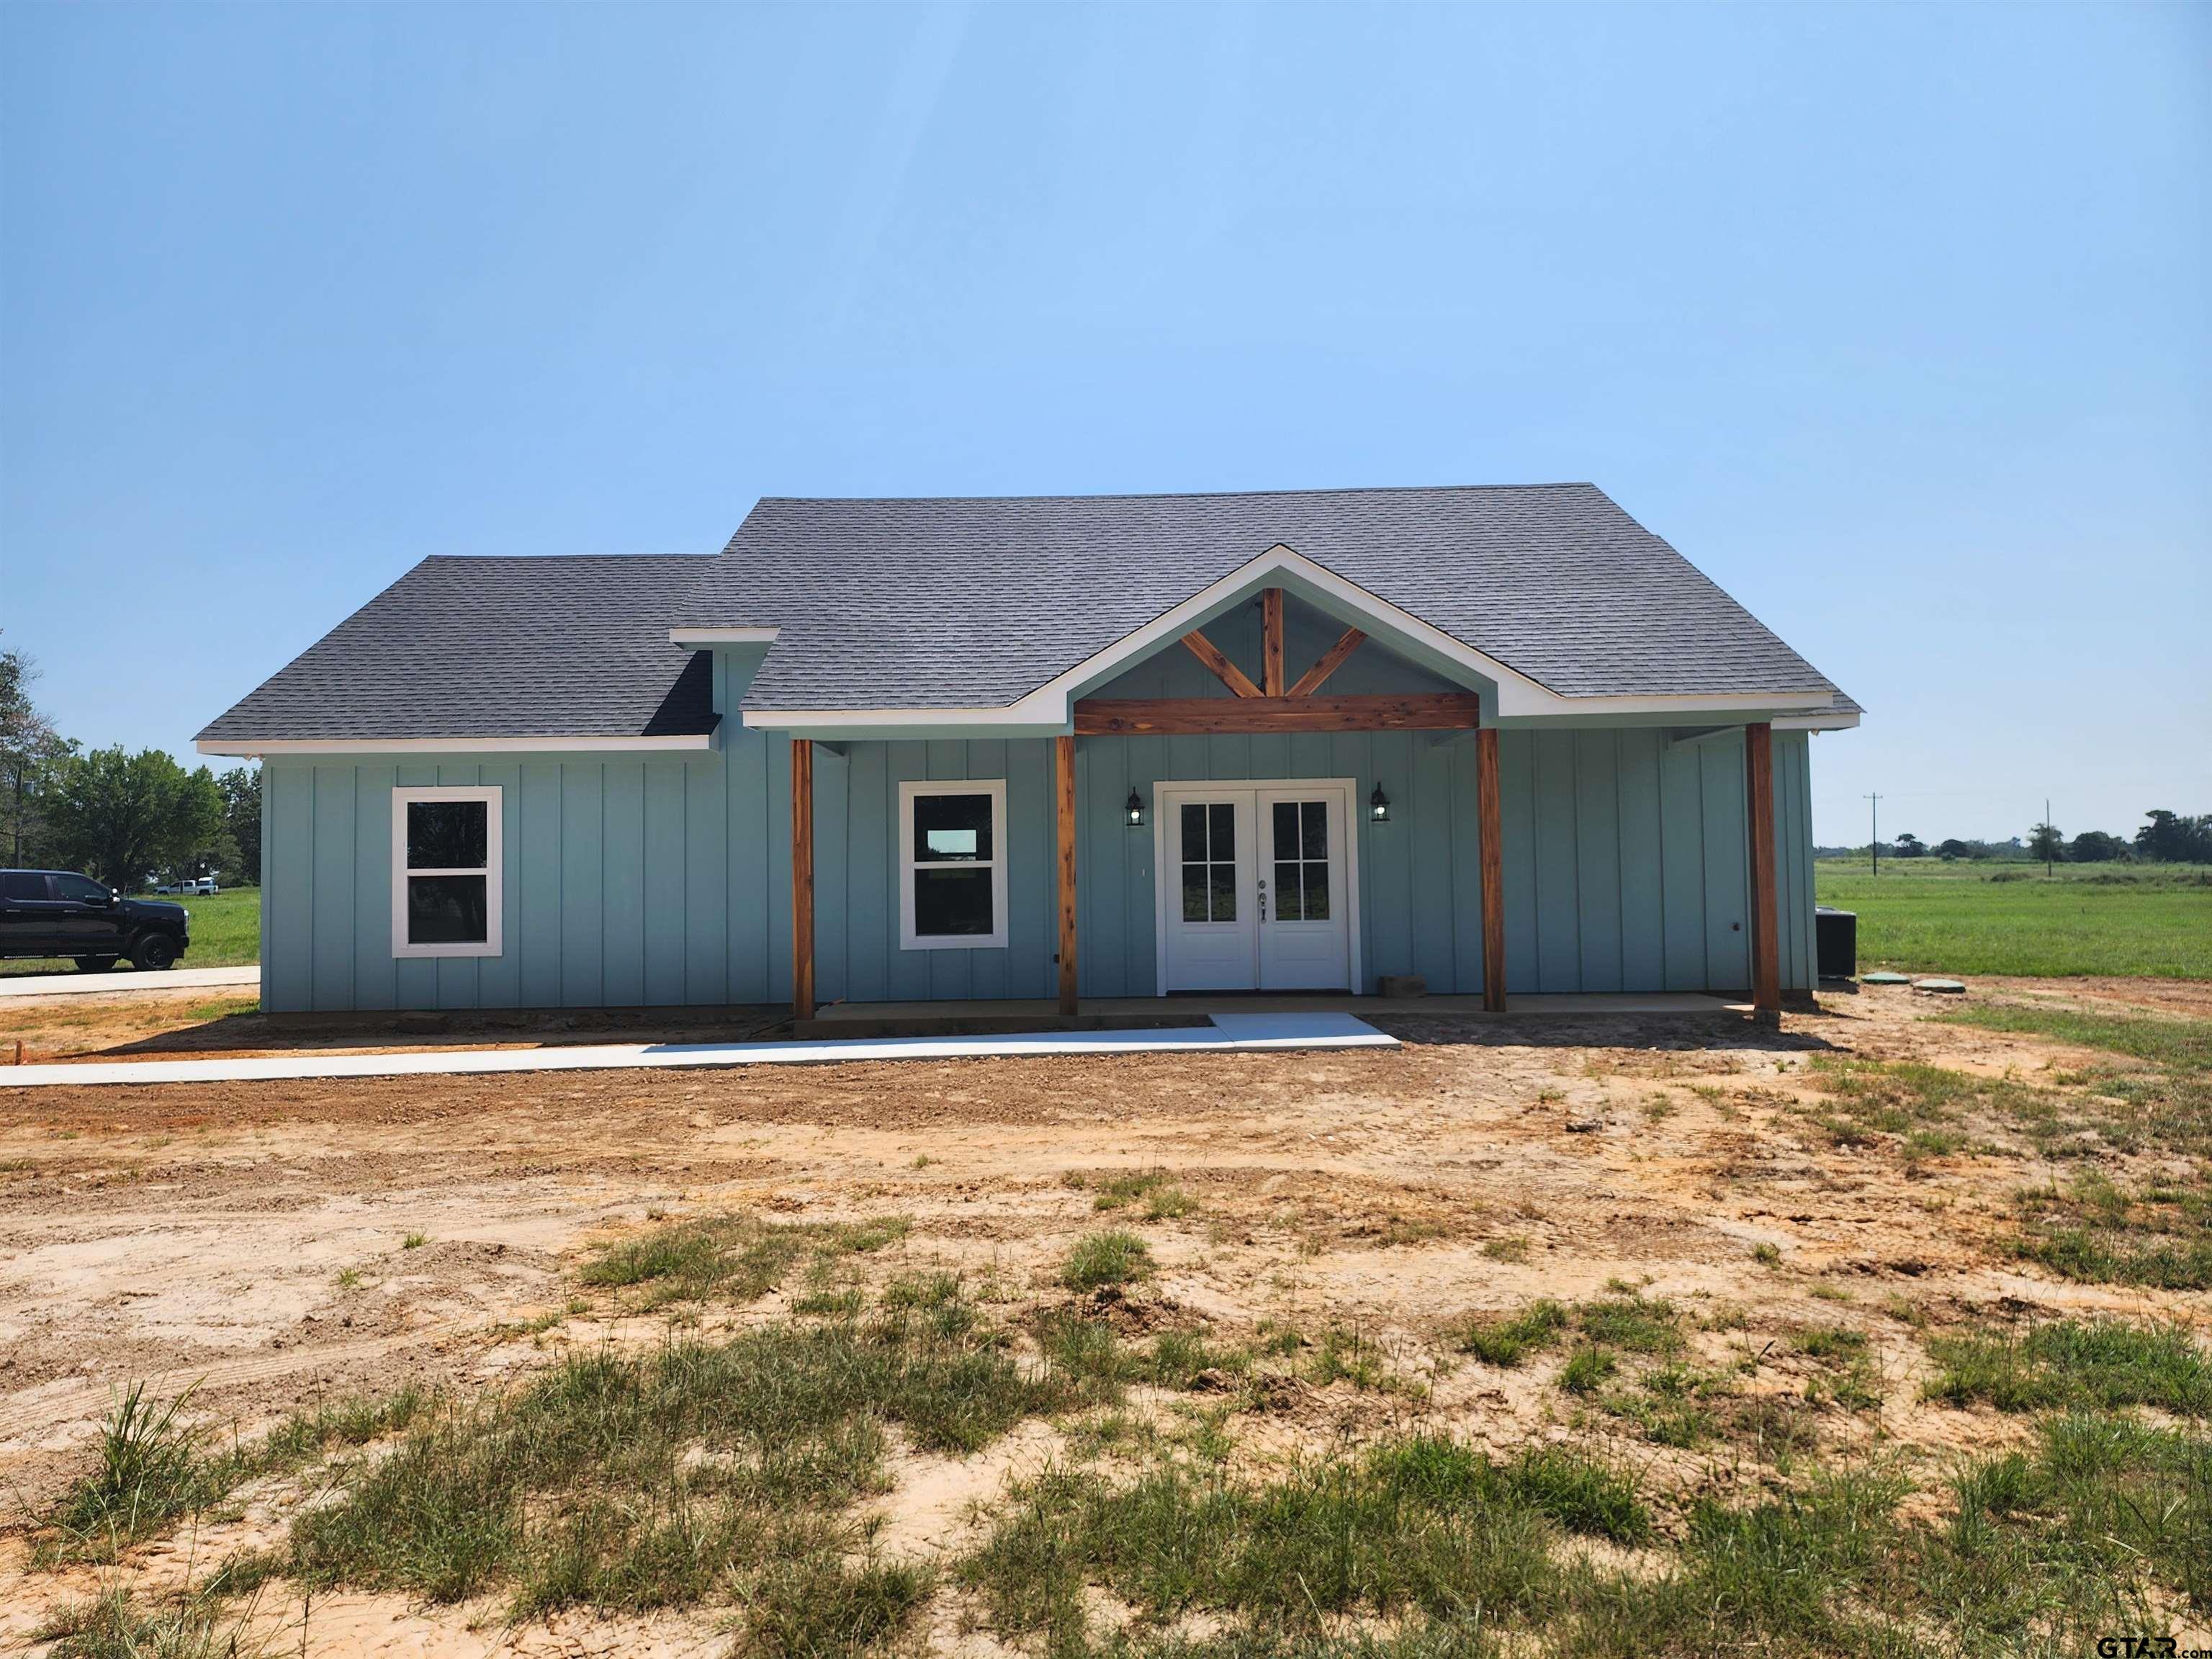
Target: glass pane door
{"x":1208,"y":884}
{"x":1305,"y":942}
{"x":1209,"y":861}
{"x":1301,"y":860}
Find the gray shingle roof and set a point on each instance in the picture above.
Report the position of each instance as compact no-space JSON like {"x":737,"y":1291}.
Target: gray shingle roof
{"x":975,"y":602}
{"x":496,"y":647}
{"x":972,"y":603}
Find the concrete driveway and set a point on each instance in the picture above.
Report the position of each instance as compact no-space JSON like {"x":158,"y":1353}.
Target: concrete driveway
{"x":128,"y":982}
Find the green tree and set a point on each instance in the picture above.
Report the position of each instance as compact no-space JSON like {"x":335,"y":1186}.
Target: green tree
{"x":1910,"y":846}
{"x":2175,"y":838}
{"x":29,"y":749}
{"x":2045,"y":842}
{"x":121,"y":817}
{"x":242,"y":816}
{"x":2095,"y":846}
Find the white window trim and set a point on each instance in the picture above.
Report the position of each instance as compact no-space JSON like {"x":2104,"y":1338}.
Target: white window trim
{"x":909,"y":792}
{"x":493,"y":871}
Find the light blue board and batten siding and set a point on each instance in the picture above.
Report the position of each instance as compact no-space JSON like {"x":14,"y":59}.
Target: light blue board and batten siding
{"x":666,"y":880}
{"x":1624,"y":853}
{"x":627,"y":880}
{"x":1624,"y":858}
{"x":613,"y":878}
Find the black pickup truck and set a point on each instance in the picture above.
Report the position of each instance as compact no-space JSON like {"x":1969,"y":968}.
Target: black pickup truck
{"x":58,"y":913}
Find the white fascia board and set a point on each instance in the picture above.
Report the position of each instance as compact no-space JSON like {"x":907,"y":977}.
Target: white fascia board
{"x":1838,"y":721}
{"x":251,"y":747}
{"x":703,"y":639}
{"x":1515,"y":697}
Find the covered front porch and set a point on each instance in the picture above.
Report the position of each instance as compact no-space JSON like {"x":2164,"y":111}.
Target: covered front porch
{"x":1107,"y":1013}
{"x":1567,"y":858}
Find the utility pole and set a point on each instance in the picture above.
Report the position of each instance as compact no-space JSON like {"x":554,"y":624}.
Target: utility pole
{"x":2048,"y":839}
{"x":1874,"y":831}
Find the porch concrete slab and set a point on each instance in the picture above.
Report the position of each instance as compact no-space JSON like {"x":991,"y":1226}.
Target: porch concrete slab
{"x":128,"y":982}
{"x":1216,"y":1007}
{"x":1226,"y":1033}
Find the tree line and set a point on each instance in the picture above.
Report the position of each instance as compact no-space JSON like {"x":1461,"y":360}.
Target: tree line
{"x":2166,"y":837}
{"x":118,"y":817}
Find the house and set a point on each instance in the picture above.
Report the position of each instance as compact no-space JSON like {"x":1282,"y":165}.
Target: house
{"x":1503,"y":738}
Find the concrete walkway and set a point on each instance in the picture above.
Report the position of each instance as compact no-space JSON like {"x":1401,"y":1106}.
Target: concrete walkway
{"x":1228,"y":1033}
{"x":128,"y":982}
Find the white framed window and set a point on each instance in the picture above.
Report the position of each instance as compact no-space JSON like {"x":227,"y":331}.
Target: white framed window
{"x":446,"y":854}
{"x":952,"y":858}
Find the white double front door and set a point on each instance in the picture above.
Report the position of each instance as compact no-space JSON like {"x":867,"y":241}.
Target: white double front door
{"x":1255,"y":886}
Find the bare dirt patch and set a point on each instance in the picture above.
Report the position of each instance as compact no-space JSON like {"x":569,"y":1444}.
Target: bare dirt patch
{"x":273,"y":1245}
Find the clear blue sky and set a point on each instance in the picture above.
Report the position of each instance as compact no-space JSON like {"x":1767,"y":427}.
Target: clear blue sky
{"x":1896,"y":321}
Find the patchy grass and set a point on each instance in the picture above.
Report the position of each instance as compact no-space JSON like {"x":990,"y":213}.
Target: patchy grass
{"x":1799,"y":1573}
{"x":116,"y":1625}
{"x":738,"y":1258}
{"x":2079,"y":1534}
{"x":153,"y":1469}
{"x":1423,"y":1547}
{"x":705,"y":1470}
{"x":1586,"y":1369}
{"x":1926,"y":1108}
{"x":2163,"y":1102}
{"x":815,"y":1604}
{"x":1344,"y":1355}
{"x":1631,"y":1322}
{"x":2098,"y":1232}
{"x":2075,"y":1363}
{"x":156,"y":1466}
{"x":1153,"y":1191}
{"x":1626,"y":1320}
{"x":2179,"y":1044}
{"x":1505,"y":1340}
{"x":1418,"y":1525}
{"x":2125,"y":1494}
{"x":1090,"y":1353}
{"x":1098,"y":1259}
{"x":1903,"y":1097}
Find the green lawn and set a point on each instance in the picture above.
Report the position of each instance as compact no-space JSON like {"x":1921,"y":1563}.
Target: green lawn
{"x":225,"y":933}
{"x":1922,"y":914}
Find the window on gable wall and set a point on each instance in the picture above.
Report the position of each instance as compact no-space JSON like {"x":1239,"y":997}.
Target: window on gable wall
{"x":952,"y":866}
{"x":446,"y":868}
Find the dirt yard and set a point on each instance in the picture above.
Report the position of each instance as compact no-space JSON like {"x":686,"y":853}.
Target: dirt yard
{"x":276,"y":1247}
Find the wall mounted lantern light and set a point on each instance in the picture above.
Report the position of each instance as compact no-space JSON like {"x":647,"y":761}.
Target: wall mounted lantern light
{"x":1133,"y":813}
{"x":1378,"y":806}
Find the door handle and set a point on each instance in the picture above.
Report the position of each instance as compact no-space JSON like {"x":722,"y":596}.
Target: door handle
{"x":1263,"y":901}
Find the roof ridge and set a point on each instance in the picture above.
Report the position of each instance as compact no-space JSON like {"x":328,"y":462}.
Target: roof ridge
{"x":1188,"y":494}
{"x":551,"y":558}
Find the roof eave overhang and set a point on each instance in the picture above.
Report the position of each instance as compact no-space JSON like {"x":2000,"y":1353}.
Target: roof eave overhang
{"x":253,"y":748}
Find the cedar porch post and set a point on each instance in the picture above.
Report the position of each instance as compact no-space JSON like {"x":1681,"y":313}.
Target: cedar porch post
{"x":802,"y":879}
{"x":1063,"y":765}
{"x":1766,"y":943}
{"x":1493,"y":870}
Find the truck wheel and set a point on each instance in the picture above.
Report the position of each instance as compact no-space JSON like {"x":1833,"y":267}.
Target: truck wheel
{"x":95,"y":964}
{"x":154,"y":953}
